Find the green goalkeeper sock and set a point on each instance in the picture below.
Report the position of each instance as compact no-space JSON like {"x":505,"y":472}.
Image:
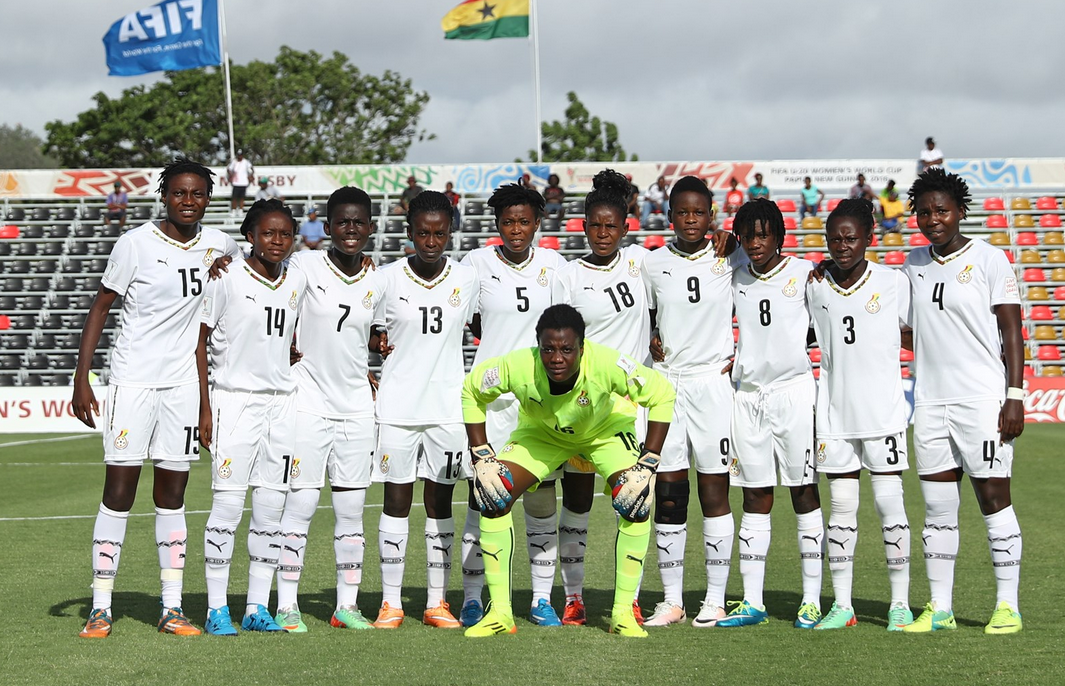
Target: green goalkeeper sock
{"x":497,"y":549}
{"x":629,"y":552}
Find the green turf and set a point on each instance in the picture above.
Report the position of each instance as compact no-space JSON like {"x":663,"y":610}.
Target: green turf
{"x":45,"y":595}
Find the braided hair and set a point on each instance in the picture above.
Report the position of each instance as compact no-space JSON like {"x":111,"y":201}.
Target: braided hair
{"x":858,"y":209}
{"x":430,"y":201}
{"x":514,"y":194}
{"x":760,"y":210}
{"x":183,"y":165}
{"x":936,"y":179}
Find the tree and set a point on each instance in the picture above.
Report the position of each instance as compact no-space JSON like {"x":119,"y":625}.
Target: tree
{"x":21,"y":148}
{"x":302,"y":108}
{"x":581,"y":138}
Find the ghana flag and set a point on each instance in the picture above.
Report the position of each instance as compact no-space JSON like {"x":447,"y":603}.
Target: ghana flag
{"x":486,"y":19}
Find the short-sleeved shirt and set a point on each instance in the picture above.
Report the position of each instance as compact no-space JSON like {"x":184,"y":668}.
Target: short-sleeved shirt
{"x":409,"y":193}
{"x":734,"y":198}
{"x":241,"y":171}
{"x":755,"y":192}
{"x":554,"y":194}
{"x":161,"y":282}
{"x":892,"y":208}
{"x":957,"y":347}
{"x":927,"y":156}
{"x":313,"y":230}
{"x":267,"y":193}
{"x":120,"y":198}
{"x":810,"y":196}
{"x":860,"y":190}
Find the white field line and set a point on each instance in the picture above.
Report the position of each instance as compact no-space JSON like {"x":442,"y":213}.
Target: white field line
{"x":13,"y":444}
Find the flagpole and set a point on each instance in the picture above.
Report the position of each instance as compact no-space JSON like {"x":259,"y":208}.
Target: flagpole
{"x":225,"y":71}
{"x":535,"y":35}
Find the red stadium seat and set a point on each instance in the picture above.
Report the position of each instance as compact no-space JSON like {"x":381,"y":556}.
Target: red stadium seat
{"x":1028,"y":372}
{"x":815,"y":355}
{"x":817,"y":372}
{"x":1028,"y":237}
{"x":1059,"y":293}
{"x":494,"y":240}
{"x":1047,"y":202}
{"x":631,"y":223}
{"x":9,"y":231}
{"x":875,"y":242}
{"x":904,"y":372}
{"x":5,"y":322}
{"x":735,"y":335}
{"x":997,"y":221}
{"x":1049,"y":353}
{"x":905,"y":355}
{"x":1009,"y":256}
{"x":790,"y":241}
{"x":814,"y":257}
{"x":917,"y":240}
{"x":549,"y":242}
{"x":1042,"y":313}
{"x":994,"y":205}
{"x":729,"y":221}
{"x":832,"y":204}
{"x":575,"y":224}
{"x":895,"y":257}
{"x":652,"y":242}
{"x":790,"y":224}
{"x":1034,"y":275}
{"x":911,"y":221}
{"x":1050,"y":221}
{"x":786,"y":205}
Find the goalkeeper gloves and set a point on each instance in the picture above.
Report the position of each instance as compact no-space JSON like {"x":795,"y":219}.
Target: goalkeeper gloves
{"x":492,"y":482}
{"x":634,"y":491}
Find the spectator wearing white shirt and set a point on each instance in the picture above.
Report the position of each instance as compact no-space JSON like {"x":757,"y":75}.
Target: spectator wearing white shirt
{"x":655,"y":200}
{"x":930,"y":157}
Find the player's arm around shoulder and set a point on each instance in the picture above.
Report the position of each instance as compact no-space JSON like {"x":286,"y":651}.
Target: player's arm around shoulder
{"x":486,"y":382}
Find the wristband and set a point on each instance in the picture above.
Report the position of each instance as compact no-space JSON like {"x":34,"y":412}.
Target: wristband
{"x":1014,"y":393}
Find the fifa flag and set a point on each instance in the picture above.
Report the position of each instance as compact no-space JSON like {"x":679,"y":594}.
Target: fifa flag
{"x":487,"y":19}
{"x":172,"y":35}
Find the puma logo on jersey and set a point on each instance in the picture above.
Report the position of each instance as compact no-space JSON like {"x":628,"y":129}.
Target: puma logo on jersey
{"x":589,"y":288}
{"x":920,"y":275}
{"x":250,"y":297}
{"x":742,"y":292}
{"x":163,"y":262}
{"x":404,"y":300}
{"x":668,"y":273}
{"x":321,"y":288}
{"x":497,"y":278}
{"x":825,"y":308}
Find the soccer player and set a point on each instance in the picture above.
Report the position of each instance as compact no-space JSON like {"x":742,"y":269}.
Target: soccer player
{"x":773,"y":413}
{"x":425,"y":302}
{"x":248,"y":417}
{"x":969,"y":405}
{"x":334,"y":407}
{"x":152,"y":398}
{"x":567,"y":389}
{"x":516,"y":280}
{"x":607,"y":289}
{"x":858,"y":312}
{"x":691,"y":287}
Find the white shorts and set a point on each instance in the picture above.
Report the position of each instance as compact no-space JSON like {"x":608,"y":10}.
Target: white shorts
{"x":702,"y":420}
{"x":157,"y":423}
{"x":254,"y":439}
{"x":343,"y":447}
{"x":434,"y":452}
{"x":773,"y":429}
{"x":878,"y":455}
{"x":965,"y":435}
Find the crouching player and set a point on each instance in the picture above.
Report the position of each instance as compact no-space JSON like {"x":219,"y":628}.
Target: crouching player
{"x":858,"y":310}
{"x":566,"y":409}
{"x":248,"y":419}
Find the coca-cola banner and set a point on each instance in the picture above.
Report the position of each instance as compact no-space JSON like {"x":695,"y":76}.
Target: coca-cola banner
{"x":1043,"y":402}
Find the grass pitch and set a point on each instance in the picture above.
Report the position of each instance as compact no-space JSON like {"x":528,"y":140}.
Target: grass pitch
{"x":52,"y":489}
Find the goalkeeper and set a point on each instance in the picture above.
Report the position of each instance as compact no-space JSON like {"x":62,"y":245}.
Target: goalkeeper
{"x":567,"y":388}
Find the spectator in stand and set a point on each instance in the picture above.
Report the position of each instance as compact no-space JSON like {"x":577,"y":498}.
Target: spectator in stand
{"x":116,"y":205}
{"x":312,"y":233}
{"x":930,"y":157}
{"x":634,"y":198}
{"x":887,"y":190}
{"x":267,"y":190}
{"x":554,"y":197}
{"x":409,"y":193}
{"x":240,"y":172}
{"x":734,"y":197}
{"x":893,"y":210}
{"x":862,"y":190}
{"x":655,"y":201}
{"x":758,"y":190}
{"x":455,"y":198}
{"x":812,"y":197}
{"x":526,"y":182}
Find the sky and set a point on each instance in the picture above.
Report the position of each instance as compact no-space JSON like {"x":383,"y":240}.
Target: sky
{"x":683,"y":79}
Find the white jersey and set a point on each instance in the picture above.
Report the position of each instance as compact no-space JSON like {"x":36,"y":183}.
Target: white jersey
{"x":512,"y":297}
{"x":332,"y":333}
{"x":859,"y":331}
{"x":252,"y":321}
{"x":957,"y":348}
{"x":612,"y":299}
{"x":693,"y":296}
{"x":773,"y":320}
{"x":241,"y":171}
{"x":421,"y":381}
{"x":161,"y":282}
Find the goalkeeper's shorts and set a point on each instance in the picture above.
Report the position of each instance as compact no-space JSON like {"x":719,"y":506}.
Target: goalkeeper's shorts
{"x":539,"y":453}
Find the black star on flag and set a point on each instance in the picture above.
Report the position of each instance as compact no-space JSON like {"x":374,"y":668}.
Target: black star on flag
{"x":486,"y":11}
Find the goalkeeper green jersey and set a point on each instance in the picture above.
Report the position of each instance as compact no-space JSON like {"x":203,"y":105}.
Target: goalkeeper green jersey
{"x":585,"y":411}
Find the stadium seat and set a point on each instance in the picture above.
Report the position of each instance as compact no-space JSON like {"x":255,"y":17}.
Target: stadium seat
{"x":1057,"y":274}
{"x":911,"y":221}
{"x":1045,"y":332}
{"x":5,"y":248}
{"x":1034,"y":275}
{"x":872,"y":256}
{"x":654,"y":242}
{"x":8,"y":379}
{"x":78,"y":248}
{"x":1048,"y":353}
{"x":42,"y":214}
{"x":1028,"y":357}
{"x":1023,"y":221}
{"x":38,"y":284}
{"x":84,"y":231}
{"x":1047,"y":202}
{"x":1038,"y":293}
{"x":474,"y":208}
{"x":790,"y":241}
{"x":1052,"y":370}
{"x":575,"y":225}
{"x":1028,"y":372}
{"x":35,"y":302}
{"x":1020,"y":204}
{"x":1042,"y":313}
{"x":71,"y":266}
{"x":814,"y":257}
{"x":1028,"y":237}
{"x":904,"y":372}
{"x":832,"y":204}
{"x":11,"y":362}
{"x":813,"y":240}
{"x":917,"y":240}
{"x":628,"y":240}
{"x":52,"y":248}
{"x":551,"y":243}
{"x":812,"y":223}
{"x":471,"y":225}
{"x":9,"y":231}
{"x":494,"y":240}
{"x":632,"y":223}
{"x":44,"y":266}
{"x":469,"y":243}
{"x":16,"y":214}
{"x":12,"y":284}
{"x":65,"y":213}
{"x":15,"y":341}
{"x":91,"y":213}
{"x":874,"y":241}
{"x":905,"y":355}
{"x":550,"y":224}
{"x":815,"y":355}
{"x":1009,"y":256}
{"x":574,"y":243}
{"x":789,"y":223}
{"x":18,"y":267}
{"x":999,"y":238}
{"x":996,"y":221}
{"x":1050,"y":221}
{"x":786,"y":205}
{"x":1053,"y":238}
{"x":894,"y":257}
{"x":1059,"y":293}
{"x":1031,"y":257}
{"x":893,"y":239}
{"x":395,"y":226}
{"x":1055,"y":256}
{"x":657,"y":222}
{"x":730,"y":221}
{"x":994,"y":205}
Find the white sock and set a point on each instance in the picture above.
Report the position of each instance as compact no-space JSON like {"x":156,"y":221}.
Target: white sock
{"x":227,"y":507}
{"x":439,"y":543}
{"x":670,"y":540}
{"x":295,"y":523}
{"x":811,"y":551}
{"x":887,"y":496}
{"x":754,"y":535}
{"x":392,"y":544}
{"x":108,"y":535}
{"x":541,"y":539}
{"x":718,"y":535}
{"x":264,"y":544}
{"x":1004,"y":537}
{"x":842,"y":537}
{"x":171,"y":540}
{"x":572,"y":542}
{"x":349,"y":544}
{"x":472,"y":562}
{"x":940,"y":539}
